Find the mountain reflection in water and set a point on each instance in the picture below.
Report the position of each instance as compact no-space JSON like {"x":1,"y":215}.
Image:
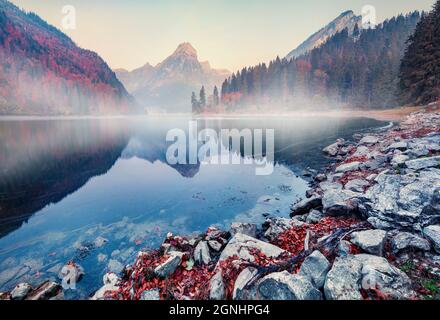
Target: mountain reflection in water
{"x":65,"y":183}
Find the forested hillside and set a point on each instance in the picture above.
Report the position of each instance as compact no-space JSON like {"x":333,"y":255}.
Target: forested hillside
{"x":358,"y":70}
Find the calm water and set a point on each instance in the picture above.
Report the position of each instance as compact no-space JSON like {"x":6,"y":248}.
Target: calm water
{"x":66,"y":184}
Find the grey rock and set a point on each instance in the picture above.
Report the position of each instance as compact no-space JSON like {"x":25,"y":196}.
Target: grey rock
{"x":405,"y":201}
{"x":402,"y":146}
{"x":100,"y":242}
{"x":371,"y":241}
{"x":169,"y":267}
{"x":423,"y":163}
{"x":339,"y":202}
{"x":73,"y":271}
{"x":399,"y":160}
{"x":215,"y":245}
{"x":45,"y":291}
{"x":357,"y":185}
{"x":20,"y":291}
{"x":240,"y":293}
{"x":304,"y":206}
{"x":110,"y":281}
{"x":348,"y":167}
{"x":115,"y":266}
{"x":361,"y":151}
{"x":240,"y":246}
{"x":285,"y":286}
{"x":150,"y":295}
{"x":432,"y":233}
{"x":315,"y":267}
{"x":314,"y":217}
{"x":405,"y":240}
{"x":352,"y":273}
{"x":343,"y":280}
{"x":333,"y":149}
{"x":325,"y":186}
{"x":201,"y":253}
{"x":377,"y":272}
{"x":249,"y":229}
{"x":217,"y":287}
{"x":277,"y":225}
{"x":369,"y":140}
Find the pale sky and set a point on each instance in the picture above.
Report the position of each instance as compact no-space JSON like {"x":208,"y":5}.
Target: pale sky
{"x":229,"y":33}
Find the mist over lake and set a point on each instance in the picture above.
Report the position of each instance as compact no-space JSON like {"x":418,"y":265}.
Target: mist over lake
{"x":97,"y":191}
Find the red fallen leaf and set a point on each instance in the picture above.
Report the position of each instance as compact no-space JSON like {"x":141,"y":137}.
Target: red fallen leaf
{"x":138,"y":242}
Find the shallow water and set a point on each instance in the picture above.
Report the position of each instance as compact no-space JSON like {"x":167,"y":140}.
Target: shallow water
{"x":65,"y":184}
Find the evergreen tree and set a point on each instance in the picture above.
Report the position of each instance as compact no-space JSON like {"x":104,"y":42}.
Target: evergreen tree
{"x":195,"y":103}
{"x":420,"y":68}
{"x":216,"y":98}
{"x":202,"y":101}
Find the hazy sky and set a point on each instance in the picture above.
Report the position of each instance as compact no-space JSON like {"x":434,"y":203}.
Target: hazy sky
{"x":229,"y":33}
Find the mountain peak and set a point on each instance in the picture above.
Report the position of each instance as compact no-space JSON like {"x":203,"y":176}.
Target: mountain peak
{"x":185,"y":49}
{"x":347,"y":19}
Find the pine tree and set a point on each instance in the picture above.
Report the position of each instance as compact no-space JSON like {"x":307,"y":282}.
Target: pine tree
{"x":215,"y":97}
{"x":195,"y":103}
{"x":420,"y":68}
{"x":202,"y":100}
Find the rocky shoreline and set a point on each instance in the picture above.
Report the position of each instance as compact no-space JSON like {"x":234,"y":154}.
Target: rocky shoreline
{"x":368,"y":229}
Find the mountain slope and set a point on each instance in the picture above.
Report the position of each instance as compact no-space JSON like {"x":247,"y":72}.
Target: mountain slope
{"x":43,"y":72}
{"x":166,"y":87}
{"x":346,"y":20}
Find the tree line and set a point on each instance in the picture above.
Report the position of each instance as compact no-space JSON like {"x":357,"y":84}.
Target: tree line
{"x":367,"y":68}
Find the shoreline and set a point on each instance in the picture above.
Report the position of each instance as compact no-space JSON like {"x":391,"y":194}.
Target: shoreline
{"x":394,"y":114}
{"x":339,"y":229}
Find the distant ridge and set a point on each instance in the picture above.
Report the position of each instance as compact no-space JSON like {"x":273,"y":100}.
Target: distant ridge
{"x":43,"y":72}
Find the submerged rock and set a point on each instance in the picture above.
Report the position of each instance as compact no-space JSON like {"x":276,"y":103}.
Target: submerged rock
{"x":371,"y":241}
{"x":315,"y":267}
{"x":285,"y":286}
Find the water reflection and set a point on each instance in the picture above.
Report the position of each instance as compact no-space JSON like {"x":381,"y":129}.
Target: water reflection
{"x":67,"y":184}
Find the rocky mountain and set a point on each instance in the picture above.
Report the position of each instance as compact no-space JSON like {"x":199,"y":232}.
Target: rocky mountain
{"x":168,"y":85}
{"x":346,"y":20}
{"x":43,"y":72}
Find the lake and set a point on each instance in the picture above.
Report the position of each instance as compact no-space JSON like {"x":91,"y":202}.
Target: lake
{"x":97,"y":191}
